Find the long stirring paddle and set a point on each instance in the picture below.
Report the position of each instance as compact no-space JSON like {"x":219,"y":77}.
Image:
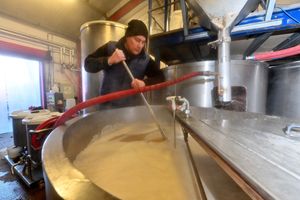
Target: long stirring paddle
{"x":146,"y":103}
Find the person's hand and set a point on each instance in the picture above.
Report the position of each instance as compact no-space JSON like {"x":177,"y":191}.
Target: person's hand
{"x":117,"y":56}
{"x":136,"y":83}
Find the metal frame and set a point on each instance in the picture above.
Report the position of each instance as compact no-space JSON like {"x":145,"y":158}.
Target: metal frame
{"x":253,"y":25}
{"x":270,"y":9}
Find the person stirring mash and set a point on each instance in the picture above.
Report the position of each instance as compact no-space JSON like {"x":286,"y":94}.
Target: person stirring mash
{"x":130,"y":48}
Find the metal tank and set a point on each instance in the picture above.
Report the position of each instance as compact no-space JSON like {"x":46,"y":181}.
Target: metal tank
{"x":283,"y":91}
{"x":249,"y":81}
{"x":64,"y":181}
{"x":93,"y":35}
{"x":19,"y":130}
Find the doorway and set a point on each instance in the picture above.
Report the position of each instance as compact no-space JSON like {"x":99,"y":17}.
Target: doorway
{"x":20,"y":87}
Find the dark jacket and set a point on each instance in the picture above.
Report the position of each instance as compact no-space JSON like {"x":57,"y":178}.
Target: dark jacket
{"x":116,"y":77}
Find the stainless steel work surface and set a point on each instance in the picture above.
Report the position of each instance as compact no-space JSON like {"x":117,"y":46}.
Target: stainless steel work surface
{"x":255,"y":146}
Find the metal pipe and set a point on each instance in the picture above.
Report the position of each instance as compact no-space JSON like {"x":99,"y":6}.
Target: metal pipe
{"x":150,"y":16}
{"x":184,"y":17}
{"x":167,"y":17}
{"x":224,"y":64}
{"x":71,"y":58}
{"x":173,"y":107}
{"x":146,"y":102}
{"x":194,"y":167}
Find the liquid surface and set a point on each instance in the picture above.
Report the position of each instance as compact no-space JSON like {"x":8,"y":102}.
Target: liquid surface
{"x":131,"y":161}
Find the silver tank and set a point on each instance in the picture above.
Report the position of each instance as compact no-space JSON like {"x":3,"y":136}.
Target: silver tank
{"x":93,"y":35}
{"x":283,"y":91}
{"x":64,"y":181}
{"x":250,"y":76}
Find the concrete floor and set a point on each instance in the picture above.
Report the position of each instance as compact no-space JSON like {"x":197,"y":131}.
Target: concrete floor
{"x":11,"y":186}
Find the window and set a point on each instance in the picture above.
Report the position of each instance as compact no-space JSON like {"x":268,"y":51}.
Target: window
{"x":20,"y":87}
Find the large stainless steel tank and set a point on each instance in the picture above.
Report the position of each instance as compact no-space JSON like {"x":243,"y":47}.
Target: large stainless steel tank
{"x":93,"y":35}
{"x":283,"y":91}
{"x":64,"y":181}
{"x":249,"y":75}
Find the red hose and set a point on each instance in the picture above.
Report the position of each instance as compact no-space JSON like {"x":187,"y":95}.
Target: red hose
{"x":277,"y":54}
{"x":48,"y":123}
{"x":120,"y":94}
{"x":38,"y":138}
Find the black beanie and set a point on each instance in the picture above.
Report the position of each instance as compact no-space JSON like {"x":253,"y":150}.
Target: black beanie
{"x":136,"y":27}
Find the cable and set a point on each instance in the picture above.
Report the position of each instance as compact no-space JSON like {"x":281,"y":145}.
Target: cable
{"x":290,"y":16}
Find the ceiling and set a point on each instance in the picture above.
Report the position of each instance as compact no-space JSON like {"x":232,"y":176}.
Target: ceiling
{"x":65,"y":17}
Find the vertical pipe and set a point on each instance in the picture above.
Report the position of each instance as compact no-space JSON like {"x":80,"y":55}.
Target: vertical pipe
{"x":184,"y":17}
{"x":149,"y":22}
{"x":224,"y":65}
{"x":166,"y":16}
{"x":61,"y":55}
{"x":150,"y":16}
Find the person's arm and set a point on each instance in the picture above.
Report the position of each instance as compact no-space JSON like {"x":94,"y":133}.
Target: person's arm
{"x":98,"y":60}
{"x":154,"y":73}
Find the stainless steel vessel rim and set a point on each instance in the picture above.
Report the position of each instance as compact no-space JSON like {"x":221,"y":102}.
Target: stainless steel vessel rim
{"x":59,"y":161}
{"x":262,"y":64}
{"x":103,"y":22}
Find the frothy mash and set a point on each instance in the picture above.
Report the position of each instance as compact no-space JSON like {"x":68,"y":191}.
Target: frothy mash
{"x":132,"y":161}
